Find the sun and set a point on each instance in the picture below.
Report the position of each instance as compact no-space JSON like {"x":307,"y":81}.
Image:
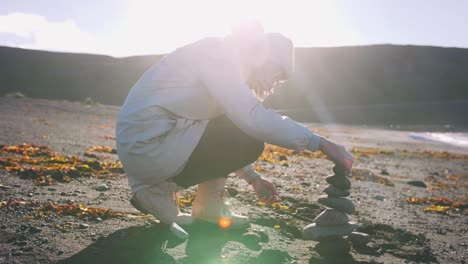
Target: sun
{"x":155,"y":25}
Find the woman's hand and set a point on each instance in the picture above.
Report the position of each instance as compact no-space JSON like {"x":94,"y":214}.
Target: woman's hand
{"x":265,"y":190}
{"x":337,"y":154}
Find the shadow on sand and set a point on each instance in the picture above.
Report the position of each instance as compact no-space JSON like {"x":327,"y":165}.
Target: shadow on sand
{"x":147,"y":244}
{"x":138,"y":244}
{"x":143,"y":244}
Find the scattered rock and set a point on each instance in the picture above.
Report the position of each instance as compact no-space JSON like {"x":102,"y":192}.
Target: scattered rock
{"x":34,"y":229}
{"x":21,"y":243}
{"x":4,"y":187}
{"x":384,"y":172}
{"x":379,"y":197}
{"x":319,"y":233}
{"x":16,"y":252}
{"x":27,"y":249}
{"x":417,"y":183}
{"x":84,"y":225}
{"x":335,"y":192}
{"x":232,"y":192}
{"x":341,"y":204}
{"x":339,"y":182}
{"x":359,"y":239}
{"x":102,"y":188}
{"x":331,"y":217}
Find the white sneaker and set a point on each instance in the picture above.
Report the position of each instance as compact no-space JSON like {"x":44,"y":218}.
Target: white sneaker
{"x":209,"y":206}
{"x":160,"y":201}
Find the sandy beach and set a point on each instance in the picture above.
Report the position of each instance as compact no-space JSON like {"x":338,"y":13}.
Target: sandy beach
{"x":65,"y":199}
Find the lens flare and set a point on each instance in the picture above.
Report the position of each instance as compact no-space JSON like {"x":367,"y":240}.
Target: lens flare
{"x":224,"y":222}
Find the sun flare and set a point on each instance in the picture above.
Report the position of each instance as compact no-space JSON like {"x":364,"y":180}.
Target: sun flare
{"x":186,"y":21}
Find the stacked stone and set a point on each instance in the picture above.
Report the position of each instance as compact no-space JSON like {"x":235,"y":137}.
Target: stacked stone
{"x":331,"y":225}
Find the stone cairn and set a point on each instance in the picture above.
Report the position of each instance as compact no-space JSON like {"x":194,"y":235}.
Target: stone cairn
{"x":332,"y":225}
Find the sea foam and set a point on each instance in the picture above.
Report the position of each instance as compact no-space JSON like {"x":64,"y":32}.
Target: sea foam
{"x":456,"y":139}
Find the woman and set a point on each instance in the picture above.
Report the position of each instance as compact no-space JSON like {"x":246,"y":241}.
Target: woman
{"x":196,"y":116}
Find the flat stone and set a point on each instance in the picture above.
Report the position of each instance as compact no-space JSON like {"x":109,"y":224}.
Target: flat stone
{"x":339,"y":182}
{"x":333,"y":247}
{"x":340,"y":204}
{"x":320,"y":233}
{"x":332,"y":191}
{"x":340,"y":171}
{"x":331,"y":217}
{"x":359,"y":239}
{"x":102,"y":188}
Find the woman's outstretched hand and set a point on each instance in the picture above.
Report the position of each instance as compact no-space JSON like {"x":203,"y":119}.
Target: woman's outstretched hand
{"x":265,"y":190}
{"x":336,"y":153}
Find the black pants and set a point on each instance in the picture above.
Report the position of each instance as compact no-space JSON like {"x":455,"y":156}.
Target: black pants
{"x":222,"y":149}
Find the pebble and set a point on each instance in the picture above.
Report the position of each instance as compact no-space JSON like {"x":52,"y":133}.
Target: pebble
{"x":379,"y":197}
{"x":335,"y":192}
{"x":21,"y":243}
{"x":34,"y":229}
{"x":384,"y":172}
{"x":358,"y":238}
{"x":331,"y":217}
{"x":232,"y":192}
{"x":417,"y":184}
{"x":102,"y":188}
{"x":341,"y":204}
{"x":319,"y":233}
{"x":16,"y":252}
{"x":27,"y":249}
{"x":84,"y":225}
{"x":5,"y":187}
{"x":339,"y":182}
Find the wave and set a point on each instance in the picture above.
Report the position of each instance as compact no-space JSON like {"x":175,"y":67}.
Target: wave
{"x":455,"y":139}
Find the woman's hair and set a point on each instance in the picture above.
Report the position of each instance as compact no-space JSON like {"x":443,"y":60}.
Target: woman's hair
{"x":264,"y":48}
{"x":262,"y":93}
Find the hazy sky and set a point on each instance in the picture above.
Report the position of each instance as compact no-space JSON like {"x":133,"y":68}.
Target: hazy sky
{"x":130,"y":27}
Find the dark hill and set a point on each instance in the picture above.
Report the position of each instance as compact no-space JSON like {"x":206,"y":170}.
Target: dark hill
{"x":70,"y":76}
{"x":340,"y":80}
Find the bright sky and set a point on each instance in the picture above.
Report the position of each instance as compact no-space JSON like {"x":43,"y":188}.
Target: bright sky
{"x":132,"y":27}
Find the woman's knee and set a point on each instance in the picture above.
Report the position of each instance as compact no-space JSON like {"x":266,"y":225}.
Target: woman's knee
{"x":255,"y":150}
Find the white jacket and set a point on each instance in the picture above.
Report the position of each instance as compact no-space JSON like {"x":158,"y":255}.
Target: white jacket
{"x":168,"y":108}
